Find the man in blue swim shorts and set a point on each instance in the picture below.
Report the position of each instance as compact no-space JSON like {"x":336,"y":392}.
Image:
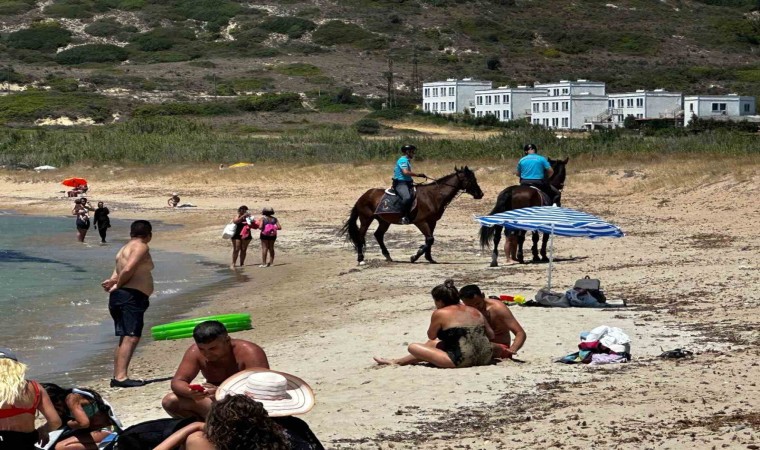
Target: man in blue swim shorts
{"x":129,"y":288}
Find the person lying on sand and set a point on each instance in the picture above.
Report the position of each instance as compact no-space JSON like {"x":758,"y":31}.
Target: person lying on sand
{"x":459,"y":335}
{"x":217,"y":357}
{"x":500,"y":319}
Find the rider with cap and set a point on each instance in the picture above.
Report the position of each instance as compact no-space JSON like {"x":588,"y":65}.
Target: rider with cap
{"x":402,"y":180}
{"x":534,"y":170}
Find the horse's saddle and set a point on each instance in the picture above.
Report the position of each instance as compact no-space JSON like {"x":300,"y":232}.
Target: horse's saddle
{"x":391,"y":204}
{"x":545,"y":200}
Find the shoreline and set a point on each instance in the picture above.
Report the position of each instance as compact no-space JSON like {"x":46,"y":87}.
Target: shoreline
{"x":322,"y":318}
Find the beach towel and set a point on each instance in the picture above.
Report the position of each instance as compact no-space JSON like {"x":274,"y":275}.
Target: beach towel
{"x":148,"y":434}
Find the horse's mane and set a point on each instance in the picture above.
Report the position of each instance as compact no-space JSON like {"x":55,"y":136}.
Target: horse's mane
{"x":456,"y":172}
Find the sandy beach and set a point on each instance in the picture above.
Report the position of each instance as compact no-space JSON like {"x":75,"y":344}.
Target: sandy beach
{"x":687,"y":269}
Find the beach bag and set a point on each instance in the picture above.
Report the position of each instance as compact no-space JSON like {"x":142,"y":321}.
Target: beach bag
{"x":544,"y":297}
{"x":148,"y":434}
{"x":229,"y":230}
{"x":591,"y":285}
{"x":270,"y":228}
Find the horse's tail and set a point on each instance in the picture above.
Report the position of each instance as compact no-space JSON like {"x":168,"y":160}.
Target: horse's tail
{"x":351,"y":229}
{"x":503,"y":203}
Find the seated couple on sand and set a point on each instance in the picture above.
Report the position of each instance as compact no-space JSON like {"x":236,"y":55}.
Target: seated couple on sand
{"x":244,"y":404}
{"x":472,"y":333}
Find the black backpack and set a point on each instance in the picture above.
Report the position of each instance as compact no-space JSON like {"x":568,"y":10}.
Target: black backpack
{"x":148,"y":435}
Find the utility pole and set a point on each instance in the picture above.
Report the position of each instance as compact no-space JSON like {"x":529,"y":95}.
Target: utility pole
{"x":390,"y":97}
{"x":214,"y":76}
{"x":415,"y":75}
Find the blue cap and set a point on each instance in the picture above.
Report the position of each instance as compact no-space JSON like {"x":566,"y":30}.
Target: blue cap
{"x":7,"y":354}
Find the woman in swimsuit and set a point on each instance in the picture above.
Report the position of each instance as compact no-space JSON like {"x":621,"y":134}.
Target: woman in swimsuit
{"x":81,"y":209}
{"x":19,"y":402}
{"x":85,"y":415}
{"x":459,"y":335}
{"x":242,"y":236}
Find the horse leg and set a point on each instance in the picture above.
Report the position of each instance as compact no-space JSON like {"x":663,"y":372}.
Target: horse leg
{"x":544,"y":241}
{"x":534,"y":249}
{"x":425,"y":229}
{"x":496,"y":241}
{"x":382,"y":227}
{"x":429,"y":243}
{"x":364,"y":223}
{"x":520,"y":242}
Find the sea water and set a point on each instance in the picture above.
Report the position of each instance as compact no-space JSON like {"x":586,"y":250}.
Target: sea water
{"x":53,"y":311}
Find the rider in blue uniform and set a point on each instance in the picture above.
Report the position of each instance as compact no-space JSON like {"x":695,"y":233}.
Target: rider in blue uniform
{"x":402,"y":180}
{"x":535,"y":170}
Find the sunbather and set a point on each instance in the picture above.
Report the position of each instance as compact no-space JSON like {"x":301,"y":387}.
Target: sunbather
{"x":217,"y":357}
{"x":87,"y":419}
{"x":255,"y":412}
{"x":20,"y":400}
{"x":458,"y":334}
{"x":500,"y":319}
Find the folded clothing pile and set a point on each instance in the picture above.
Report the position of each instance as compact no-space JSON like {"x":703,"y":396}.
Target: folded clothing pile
{"x":602,"y":345}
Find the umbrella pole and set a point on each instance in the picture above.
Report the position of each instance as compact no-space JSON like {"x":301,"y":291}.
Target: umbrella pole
{"x":551,"y":259}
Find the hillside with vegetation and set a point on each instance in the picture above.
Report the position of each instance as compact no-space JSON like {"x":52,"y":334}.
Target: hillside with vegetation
{"x":243,"y":67}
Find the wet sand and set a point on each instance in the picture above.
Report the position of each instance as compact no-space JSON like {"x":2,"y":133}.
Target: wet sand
{"x":688,"y":270}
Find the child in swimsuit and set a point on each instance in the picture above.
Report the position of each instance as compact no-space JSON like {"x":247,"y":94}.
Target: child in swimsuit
{"x":86,"y":416}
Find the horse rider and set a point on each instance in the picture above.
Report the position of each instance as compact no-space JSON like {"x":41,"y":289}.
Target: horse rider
{"x":535,"y":170}
{"x":402,"y":181}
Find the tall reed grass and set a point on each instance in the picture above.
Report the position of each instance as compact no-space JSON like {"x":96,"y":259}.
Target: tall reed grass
{"x":174,"y":140}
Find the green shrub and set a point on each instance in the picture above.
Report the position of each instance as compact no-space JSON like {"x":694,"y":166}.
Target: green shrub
{"x":11,"y":7}
{"x":367,"y":126}
{"x":63,"y":84}
{"x":92,"y":53}
{"x":103,"y":28}
{"x":243,"y":85}
{"x":162,"y":38}
{"x":298,"y":70}
{"x":46,"y":36}
{"x":204,"y":64}
{"x":336,"y":32}
{"x":294,"y":27}
{"x":338,"y":101}
{"x":30,"y":105}
{"x":389,"y":114}
{"x":271,"y":102}
{"x":9,"y":74}
{"x":185,"y":109}
{"x":216,"y":12}
{"x":76,"y":9}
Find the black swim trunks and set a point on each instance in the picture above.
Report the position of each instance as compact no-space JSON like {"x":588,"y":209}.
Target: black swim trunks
{"x":127,"y":307}
{"x":16,"y":440}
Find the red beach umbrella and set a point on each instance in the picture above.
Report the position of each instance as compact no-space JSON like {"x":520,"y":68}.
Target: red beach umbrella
{"x":74,"y":182}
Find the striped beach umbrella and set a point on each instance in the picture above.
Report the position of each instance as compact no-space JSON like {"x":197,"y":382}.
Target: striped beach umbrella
{"x":555,"y":221}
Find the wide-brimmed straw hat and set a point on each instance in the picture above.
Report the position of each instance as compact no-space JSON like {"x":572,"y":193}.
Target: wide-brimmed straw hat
{"x":281,"y":394}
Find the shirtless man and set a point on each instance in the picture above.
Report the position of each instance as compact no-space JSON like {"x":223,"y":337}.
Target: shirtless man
{"x":217,"y":357}
{"x":129,"y":288}
{"x":500,"y":318}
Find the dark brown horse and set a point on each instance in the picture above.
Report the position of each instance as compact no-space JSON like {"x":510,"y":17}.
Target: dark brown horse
{"x":516,"y":197}
{"x":432,"y":200}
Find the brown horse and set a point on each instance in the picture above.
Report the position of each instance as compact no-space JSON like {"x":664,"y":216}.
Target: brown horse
{"x":432,"y":200}
{"x":516,"y":197}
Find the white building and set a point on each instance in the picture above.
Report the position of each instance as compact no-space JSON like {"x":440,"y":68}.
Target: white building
{"x":451,"y":96}
{"x":644,"y":105}
{"x":567,"y":104}
{"x":506,"y":103}
{"x":725,"y":107}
